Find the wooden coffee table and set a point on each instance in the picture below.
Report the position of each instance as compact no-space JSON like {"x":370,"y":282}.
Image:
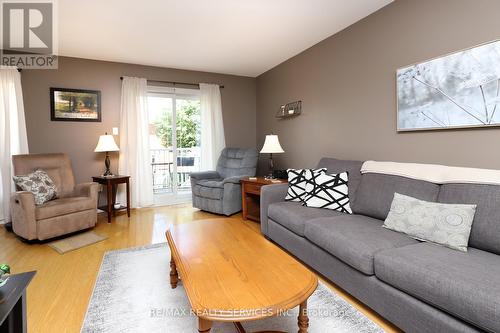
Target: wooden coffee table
{"x":233,"y":274}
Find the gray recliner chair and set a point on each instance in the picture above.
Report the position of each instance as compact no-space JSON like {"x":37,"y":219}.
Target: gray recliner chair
{"x":220,"y":191}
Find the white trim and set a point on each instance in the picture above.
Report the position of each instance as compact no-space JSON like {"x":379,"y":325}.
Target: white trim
{"x":438,"y":174}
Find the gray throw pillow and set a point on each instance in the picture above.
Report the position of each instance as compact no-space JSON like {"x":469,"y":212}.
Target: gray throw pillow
{"x":445,"y":224}
{"x":38,"y":183}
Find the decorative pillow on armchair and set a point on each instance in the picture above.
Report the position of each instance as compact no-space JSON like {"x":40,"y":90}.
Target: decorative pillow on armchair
{"x":298,"y":180}
{"x":330,"y":192}
{"x":38,"y":183}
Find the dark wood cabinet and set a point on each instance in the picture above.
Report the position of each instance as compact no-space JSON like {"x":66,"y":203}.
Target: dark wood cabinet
{"x":13,"y":303}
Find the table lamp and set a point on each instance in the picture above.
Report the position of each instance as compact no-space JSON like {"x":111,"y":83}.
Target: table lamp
{"x":271,"y":146}
{"x":105,"y":145}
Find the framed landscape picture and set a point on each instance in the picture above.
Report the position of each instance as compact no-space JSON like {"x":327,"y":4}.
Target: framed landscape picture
{"x":75,"y":105}
{"x":458,"y":90}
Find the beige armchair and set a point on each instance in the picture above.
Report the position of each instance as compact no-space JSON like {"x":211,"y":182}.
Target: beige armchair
{"x":74,"y":209}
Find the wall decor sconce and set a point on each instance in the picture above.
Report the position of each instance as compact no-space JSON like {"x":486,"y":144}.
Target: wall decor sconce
{"x":289,"y":110}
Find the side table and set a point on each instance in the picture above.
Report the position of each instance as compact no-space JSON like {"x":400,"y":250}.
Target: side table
{"x":13,"y":305}
{"x":111,"y":183}
{"x":250,"y":195}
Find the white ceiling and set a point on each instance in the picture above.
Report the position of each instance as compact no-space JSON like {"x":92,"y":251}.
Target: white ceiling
{"x":242,"y":37}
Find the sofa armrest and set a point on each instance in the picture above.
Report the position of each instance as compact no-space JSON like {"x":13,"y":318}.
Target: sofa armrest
{"x":22,"y":209}
{"x":204,"y":175}
{"x":270,"y":194}
{"x":87,"y":190}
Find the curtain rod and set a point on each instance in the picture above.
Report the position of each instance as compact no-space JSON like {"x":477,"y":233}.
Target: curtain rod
{"x":176,"y":82}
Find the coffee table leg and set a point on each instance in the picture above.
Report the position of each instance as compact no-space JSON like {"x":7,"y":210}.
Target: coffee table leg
{"x":204,"y":326}
{"x":174,"y":276}
{"x":303,"y":318}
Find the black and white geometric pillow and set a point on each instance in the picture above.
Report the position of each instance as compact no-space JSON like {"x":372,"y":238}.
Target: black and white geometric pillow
{"x":330,"y":192}
{"x":298,"y":180}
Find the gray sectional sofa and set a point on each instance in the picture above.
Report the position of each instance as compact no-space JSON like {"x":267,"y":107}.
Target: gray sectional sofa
{"x":420,"y":287}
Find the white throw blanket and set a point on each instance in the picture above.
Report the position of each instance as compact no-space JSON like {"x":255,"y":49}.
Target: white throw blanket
{"x":438,"y":174}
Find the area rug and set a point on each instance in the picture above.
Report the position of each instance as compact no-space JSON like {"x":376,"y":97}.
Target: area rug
{"x":132,"y":294}
{"x":75,"y":242}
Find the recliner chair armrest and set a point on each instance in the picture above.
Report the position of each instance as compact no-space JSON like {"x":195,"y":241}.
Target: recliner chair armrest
{"x":204,"y":175}
{"x":22,"y":209}
{"x":270,"y":194}
{"x":234,"y":179}
{"x":25,"y":198}
{"x":87,"y":190}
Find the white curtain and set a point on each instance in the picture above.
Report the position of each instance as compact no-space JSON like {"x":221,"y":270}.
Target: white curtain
{"x":212,"y":126}
{"x":13,"y":139}
{"x":134,"y":142}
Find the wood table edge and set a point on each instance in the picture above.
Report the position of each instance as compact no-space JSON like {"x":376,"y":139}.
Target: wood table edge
{"x":223,"y":315}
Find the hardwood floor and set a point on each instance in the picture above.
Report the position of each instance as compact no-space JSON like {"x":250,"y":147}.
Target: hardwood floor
{"x":59,"y":294}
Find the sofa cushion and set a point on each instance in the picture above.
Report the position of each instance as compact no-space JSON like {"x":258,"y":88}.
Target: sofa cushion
{"x":294,"y":216}
{"x":376,"y":191}
{"x":211,"y":189}
{"x":465,"y":285}
{"x":63,"y":206}
{"x":354,"y":239}
{"x":353,"y":168}
{"x":485,"y":232}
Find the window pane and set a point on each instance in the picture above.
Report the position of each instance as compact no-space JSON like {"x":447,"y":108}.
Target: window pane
{"x":160,"y":142}
{"x":188,"y":131}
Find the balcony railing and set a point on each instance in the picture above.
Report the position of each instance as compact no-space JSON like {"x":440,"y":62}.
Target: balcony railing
{"x":163,"y":168}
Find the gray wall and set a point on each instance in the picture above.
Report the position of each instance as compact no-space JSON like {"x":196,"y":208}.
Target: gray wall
{"x":348,"y":90}
{"x":79,"y":139}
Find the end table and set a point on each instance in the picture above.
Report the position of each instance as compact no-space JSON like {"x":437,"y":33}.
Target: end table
{"x":13,"y":303}
{"x":111,"y":183}
{"x":250,"y":195}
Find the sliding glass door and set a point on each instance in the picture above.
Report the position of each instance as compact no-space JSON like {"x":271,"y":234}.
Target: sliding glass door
{"x":174,"y":135}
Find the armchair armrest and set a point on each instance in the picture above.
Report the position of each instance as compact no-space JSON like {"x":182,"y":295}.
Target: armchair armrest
{"x":270,"y":194}
{"x":87,"y":190}
{"x":234,"y":179}
{"x":22,"y":208}
{"x":204,"y":175}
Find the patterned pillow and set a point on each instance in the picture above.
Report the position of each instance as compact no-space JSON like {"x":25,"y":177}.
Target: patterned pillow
{"x":38,"y":183}
{"x":330,"y":192}
{"x":445,"y":224}
{"x":297,"y":181}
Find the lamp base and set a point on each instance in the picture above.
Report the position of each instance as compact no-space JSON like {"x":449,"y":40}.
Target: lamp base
{"x":107,"y":163}
{"x":270,"y":175}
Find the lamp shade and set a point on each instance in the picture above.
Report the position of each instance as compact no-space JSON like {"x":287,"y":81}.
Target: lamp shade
{"x":272,"y":145}
{"x":106,"y":143}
